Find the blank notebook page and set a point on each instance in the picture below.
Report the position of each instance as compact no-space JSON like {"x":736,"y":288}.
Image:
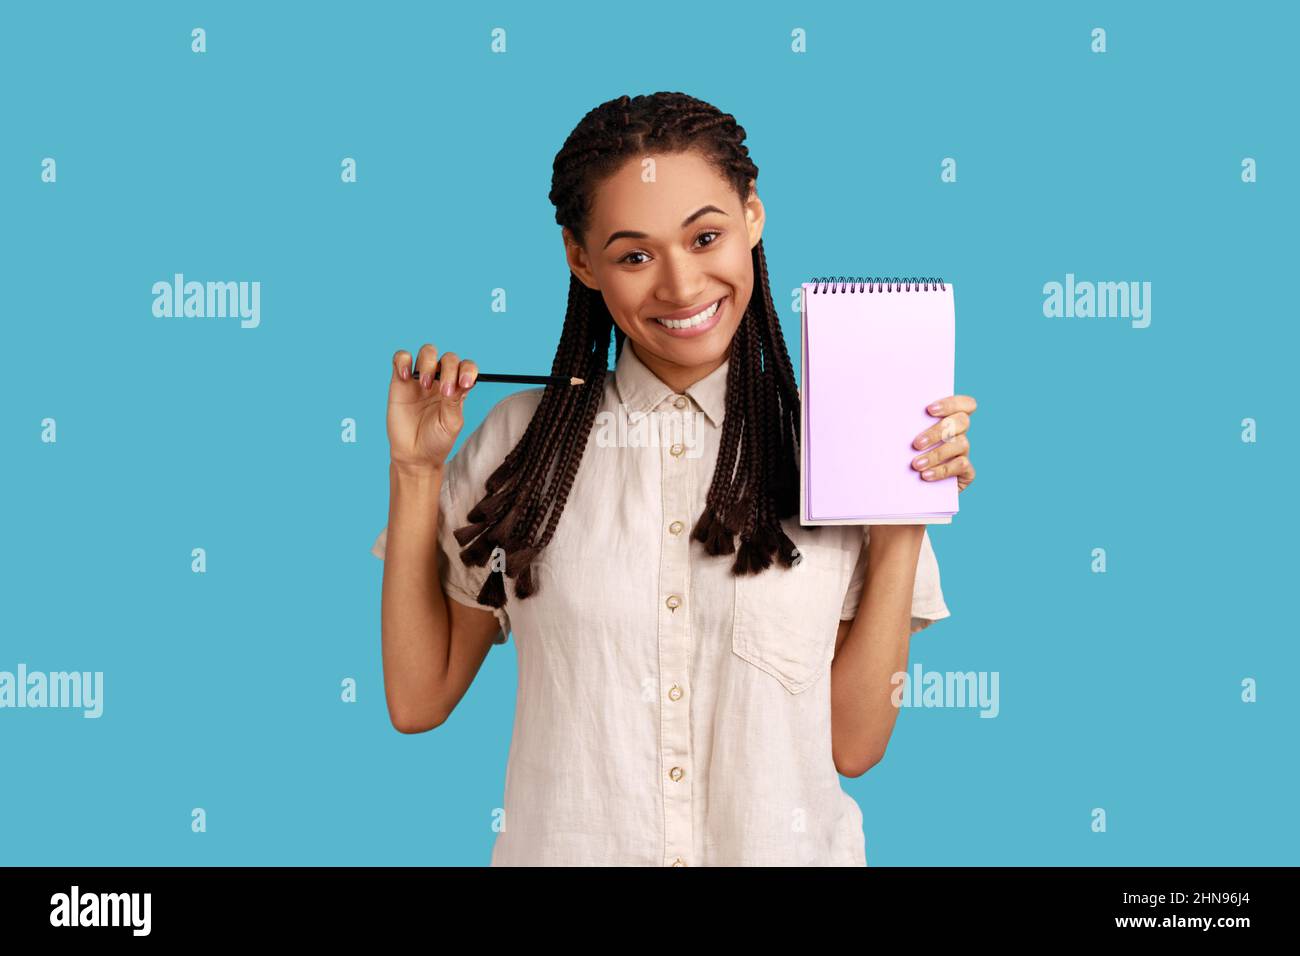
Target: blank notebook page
{"x":873,"y":361}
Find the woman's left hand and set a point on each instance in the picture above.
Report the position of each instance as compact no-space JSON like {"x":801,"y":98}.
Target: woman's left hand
{"x":952,"y":456}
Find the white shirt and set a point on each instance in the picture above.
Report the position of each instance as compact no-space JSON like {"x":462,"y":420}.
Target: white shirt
{"x":668,"y":713}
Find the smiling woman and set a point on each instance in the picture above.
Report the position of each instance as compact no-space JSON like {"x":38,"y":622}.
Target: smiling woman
{"x":679,"y":280}
{"x":676,"y":630}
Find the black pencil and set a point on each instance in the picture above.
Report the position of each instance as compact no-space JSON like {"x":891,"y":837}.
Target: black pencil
{"x":520,"y":379}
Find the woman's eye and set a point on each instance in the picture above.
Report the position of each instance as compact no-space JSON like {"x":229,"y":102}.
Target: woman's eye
{"x":708,"y":232}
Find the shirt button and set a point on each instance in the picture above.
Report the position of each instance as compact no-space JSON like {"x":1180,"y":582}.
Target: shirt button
{"x":677,"y":450}
{"x":676,"y":773}
{"x":676,"y":527}
{"x":673,"y":602}
{"x":680,"y":401}
{"x":679,"y":862}
{"x":675,"y":693}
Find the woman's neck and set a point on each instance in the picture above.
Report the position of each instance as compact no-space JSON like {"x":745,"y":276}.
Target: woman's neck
{"x":677,"y":377}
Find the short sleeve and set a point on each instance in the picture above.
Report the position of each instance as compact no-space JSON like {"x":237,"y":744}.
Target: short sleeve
{"x":464,"y":484}
{"x":927,"y":594}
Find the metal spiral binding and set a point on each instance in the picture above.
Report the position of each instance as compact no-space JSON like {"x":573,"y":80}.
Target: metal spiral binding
{"x":878,"y":284}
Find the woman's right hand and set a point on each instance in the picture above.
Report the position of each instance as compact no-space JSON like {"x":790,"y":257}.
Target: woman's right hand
{"x":423,"y":421}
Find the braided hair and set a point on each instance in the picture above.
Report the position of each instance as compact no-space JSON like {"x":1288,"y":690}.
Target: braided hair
{"x":756,"y":480}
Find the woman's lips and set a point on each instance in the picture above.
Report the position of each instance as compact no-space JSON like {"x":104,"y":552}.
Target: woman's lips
{"x":700,"y":329}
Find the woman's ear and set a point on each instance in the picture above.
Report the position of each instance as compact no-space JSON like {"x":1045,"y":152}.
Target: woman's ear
{"x":754,"y":216}
{"x":577,"y":259}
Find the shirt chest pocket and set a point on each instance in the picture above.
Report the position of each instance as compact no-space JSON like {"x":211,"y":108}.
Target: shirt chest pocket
{"x":785,"y":619}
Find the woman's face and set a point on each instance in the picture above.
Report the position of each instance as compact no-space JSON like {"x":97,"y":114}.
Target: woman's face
{"x":691,"y":247}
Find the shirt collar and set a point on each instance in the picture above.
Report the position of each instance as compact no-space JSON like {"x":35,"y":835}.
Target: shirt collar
{"x":641,"y":390}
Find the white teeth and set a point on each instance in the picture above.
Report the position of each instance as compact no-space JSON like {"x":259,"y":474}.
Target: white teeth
{"x":693,"y":320}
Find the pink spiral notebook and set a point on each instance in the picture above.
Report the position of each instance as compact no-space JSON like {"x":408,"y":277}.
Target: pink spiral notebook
{"x":876,"y":352}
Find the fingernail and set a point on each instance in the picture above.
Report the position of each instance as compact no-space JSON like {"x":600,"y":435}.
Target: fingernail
{"x":936,"y":406}
{"x":927,"y":474}
{"x":464,"y":380}
{"x":426,"y":380}
{"x":447,"y":387}
{"x":921,"y":463}
{"x":920,"y":441}
{"x":404,"y":372}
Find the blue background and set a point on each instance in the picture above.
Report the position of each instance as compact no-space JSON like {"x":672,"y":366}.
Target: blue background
{"x":1118,"y":690}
